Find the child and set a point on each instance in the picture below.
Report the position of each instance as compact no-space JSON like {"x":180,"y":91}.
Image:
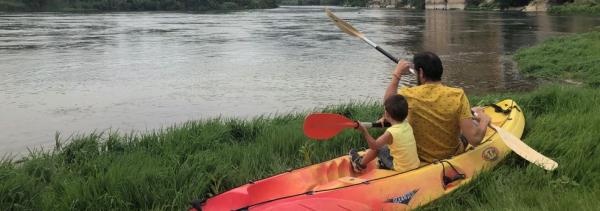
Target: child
{"x":396,"y":148}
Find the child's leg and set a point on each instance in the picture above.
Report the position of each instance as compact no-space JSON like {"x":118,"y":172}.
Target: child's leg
{"x":368,"y":157}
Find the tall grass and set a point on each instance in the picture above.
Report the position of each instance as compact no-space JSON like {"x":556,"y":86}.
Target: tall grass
{"x":573,"y":57}
{"x":584,"y":7}
{"x":168,"y":168}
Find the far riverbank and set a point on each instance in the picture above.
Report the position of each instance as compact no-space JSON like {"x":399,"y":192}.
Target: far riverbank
{"x":125,"y":5}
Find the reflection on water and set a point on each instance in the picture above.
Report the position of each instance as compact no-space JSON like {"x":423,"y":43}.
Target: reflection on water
{"x":139,"y":71}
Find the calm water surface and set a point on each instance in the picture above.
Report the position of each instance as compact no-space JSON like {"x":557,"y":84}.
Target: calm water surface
{"x":141,"y":71}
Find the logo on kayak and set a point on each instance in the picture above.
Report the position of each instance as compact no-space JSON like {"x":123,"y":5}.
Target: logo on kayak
{"x":404,"y":199}
{"x":490,"y":154}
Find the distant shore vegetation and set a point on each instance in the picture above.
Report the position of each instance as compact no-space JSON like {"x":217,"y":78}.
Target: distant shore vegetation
{"x":577,"y":7}
{"x":131,"y":5}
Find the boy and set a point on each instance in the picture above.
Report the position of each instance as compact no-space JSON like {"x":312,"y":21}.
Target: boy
{"x":396,"y":148}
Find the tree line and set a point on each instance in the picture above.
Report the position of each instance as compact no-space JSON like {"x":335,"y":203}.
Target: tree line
{"x":132,"y":5}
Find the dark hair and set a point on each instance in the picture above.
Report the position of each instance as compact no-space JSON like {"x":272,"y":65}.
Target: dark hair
{"x":431,"y":65}
{"x":397,"y":107}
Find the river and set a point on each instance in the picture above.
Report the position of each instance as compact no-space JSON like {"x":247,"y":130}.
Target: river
{"x":139,"y":71}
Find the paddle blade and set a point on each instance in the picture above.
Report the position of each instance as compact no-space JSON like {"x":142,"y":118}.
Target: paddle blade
{"x":323,"y":126}
{"x":345,"y":27}
{"x":524,"y":150}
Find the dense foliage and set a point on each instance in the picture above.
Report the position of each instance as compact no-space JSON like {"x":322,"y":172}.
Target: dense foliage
{"x":578,"y":7}
{"x":351,"y":3}
{"x":496,"y":4}
{"x":132,"y":5}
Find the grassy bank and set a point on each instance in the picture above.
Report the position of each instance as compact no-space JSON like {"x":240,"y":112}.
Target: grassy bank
{"x":129,"y":5}
{"x":564,"y":58}
{"x":586,"y":7}
{"x":166,"y":169}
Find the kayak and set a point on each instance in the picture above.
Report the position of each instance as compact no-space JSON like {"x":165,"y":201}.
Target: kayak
{"x":332,"y":185}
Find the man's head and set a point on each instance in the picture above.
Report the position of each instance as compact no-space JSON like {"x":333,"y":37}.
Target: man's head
{"x":396,"y":107}
{"x":428,"y":66}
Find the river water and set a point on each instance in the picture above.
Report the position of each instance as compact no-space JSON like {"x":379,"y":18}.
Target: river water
{"x":77,"y":73}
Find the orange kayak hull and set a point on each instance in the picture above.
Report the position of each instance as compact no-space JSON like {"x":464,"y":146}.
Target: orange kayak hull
{"x":332,"y":185}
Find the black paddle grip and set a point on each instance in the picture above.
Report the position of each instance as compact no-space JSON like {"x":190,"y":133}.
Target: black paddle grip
{"x":387,"y":54}
{"x":380,"y":124}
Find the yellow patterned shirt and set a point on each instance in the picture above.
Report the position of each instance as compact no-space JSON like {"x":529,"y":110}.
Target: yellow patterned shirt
{"x":434,"y":112}
{"x":403,"y":148}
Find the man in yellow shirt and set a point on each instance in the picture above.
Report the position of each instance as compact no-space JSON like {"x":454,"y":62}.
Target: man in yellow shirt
{"x":437,"y":113}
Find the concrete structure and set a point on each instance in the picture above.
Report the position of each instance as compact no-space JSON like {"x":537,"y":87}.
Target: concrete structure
{"x":537,"y":6}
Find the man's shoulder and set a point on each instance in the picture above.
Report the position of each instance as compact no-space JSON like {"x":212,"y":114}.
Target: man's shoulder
{"x":456,"y":90}
{"x":448,"y":90}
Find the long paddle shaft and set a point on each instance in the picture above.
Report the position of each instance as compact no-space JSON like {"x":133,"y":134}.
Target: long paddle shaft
{"x":349,"y":29}
{"x":322,"y":126}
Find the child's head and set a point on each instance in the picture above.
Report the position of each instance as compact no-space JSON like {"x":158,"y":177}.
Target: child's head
{"x":396,"y":107}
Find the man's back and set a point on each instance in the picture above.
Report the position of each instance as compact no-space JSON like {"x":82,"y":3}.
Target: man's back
{"x":434,"y":113}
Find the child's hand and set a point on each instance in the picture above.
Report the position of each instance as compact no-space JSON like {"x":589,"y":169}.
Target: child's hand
{"x":361,"y":128}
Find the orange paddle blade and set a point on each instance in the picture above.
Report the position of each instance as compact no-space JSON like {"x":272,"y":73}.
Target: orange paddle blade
{"x":323,"y":126}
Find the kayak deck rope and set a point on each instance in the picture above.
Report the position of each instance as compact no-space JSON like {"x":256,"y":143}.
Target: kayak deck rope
{"x":446,"y":179}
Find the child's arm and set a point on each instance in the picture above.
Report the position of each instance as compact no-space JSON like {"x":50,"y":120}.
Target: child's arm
{"x":375,"y":144}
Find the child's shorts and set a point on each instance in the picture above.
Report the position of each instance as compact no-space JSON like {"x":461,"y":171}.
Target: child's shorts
{"x":385,"y":159}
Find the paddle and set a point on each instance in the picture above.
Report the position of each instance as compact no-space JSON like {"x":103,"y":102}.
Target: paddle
{"x":349,"y":29}
{"x":510,"y":140}
{"x":524,"y":150}
{"x":321,"y":126}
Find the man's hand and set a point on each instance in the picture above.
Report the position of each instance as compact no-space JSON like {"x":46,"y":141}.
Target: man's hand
{"x":480,"y":116}
{"x":475,"y":131}
{"x":402,"y":68}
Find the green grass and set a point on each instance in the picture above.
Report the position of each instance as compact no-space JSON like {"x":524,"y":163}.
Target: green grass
{"x":574,"y":57}
{"x":575,"y":9}
{"x":165,"y":169}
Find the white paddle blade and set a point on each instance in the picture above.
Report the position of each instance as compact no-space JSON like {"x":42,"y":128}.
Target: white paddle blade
{"x":345,"y":27}
{"x":524,"y":150}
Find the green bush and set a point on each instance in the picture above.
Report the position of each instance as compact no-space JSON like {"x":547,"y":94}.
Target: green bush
{"x":575,"y":9}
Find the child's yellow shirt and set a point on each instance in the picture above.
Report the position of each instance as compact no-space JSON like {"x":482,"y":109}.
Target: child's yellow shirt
{"x":403,"y":147}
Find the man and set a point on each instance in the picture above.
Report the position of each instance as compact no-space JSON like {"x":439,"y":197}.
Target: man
{"x":436,"y":112}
